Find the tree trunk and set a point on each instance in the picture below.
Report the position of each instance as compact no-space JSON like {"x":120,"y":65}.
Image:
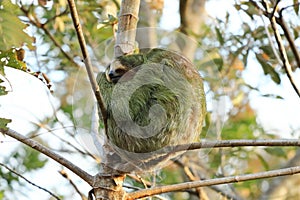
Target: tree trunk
{"x":192,"y":14}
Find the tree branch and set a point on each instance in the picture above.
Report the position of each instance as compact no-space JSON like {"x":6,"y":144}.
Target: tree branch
{"x":236,"y":143}
{"x":277,"y":183}
{"x":216,"y":188}
{"x":44,"y":150}
{"x":216,"y":181}
{"x":87,"y":61}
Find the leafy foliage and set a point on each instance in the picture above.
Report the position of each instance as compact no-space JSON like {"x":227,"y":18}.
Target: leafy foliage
{"x":2,"y":89}
{"x":10,"y":58}
{"x":268,"y":69}
{"x":3,"y":123}
{"x":11,"y":28}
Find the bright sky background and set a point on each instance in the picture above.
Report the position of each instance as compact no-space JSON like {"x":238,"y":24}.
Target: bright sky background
{"x":30,"y":99}
{"x":276,"y":115}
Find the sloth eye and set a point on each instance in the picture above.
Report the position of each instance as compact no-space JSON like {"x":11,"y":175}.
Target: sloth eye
{"x":120,"y":71}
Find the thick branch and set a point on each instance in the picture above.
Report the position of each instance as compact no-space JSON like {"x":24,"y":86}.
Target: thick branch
{"x":216,"y":181}
{"x":44,"y":150}
{"x":87,"y":60}
{"x":227,"y":143}
{"x":128,"y":18}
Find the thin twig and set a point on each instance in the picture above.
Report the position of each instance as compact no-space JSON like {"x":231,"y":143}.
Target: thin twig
{"x":33,"y":20}
{"x":271,"y":42}
{"x":274,"y":20}
{"x":216,"y":181}
{"x":284,"y":58}
{"x":28,"y":181}
{"x":44,"y":150}
{"x":65,"y":12}
{"x":201,"y":194}
{"x":288,"y":36}
{"x":87,"y":61}
{"x":66,"y":176}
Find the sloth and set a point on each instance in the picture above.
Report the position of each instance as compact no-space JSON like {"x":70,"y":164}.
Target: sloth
{"x":154,"y":99}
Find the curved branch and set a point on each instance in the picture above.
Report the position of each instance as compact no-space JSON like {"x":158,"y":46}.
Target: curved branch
{"x":44,"y":150}
{"x":216,"y":181}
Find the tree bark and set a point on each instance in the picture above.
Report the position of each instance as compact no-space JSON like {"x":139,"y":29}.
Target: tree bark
{"x":128,"y":18}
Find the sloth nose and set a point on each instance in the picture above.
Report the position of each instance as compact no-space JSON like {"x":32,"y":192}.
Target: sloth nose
{"x":115,"y":75}
{"x":111,"y":74}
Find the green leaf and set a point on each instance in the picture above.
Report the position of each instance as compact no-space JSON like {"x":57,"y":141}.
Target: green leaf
{"x":268,"y":69}
{"x":267,"y":49}
{"x":219,"y":36}
{"x":9,"y":58}
{"x":250,"y":10}
{"x":3,"y":90}
{"x":1,"y":194}
{"x":296,"y":33}
{"x":273,"y":96}
{"x":276,"y":151}
{"x":214,"y":61}
{"x":11,"y":28}
{"x":296,"y":6}
{"x":3,"y":123}
{"x":32,"y":160}
{"x":263,"y":161}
